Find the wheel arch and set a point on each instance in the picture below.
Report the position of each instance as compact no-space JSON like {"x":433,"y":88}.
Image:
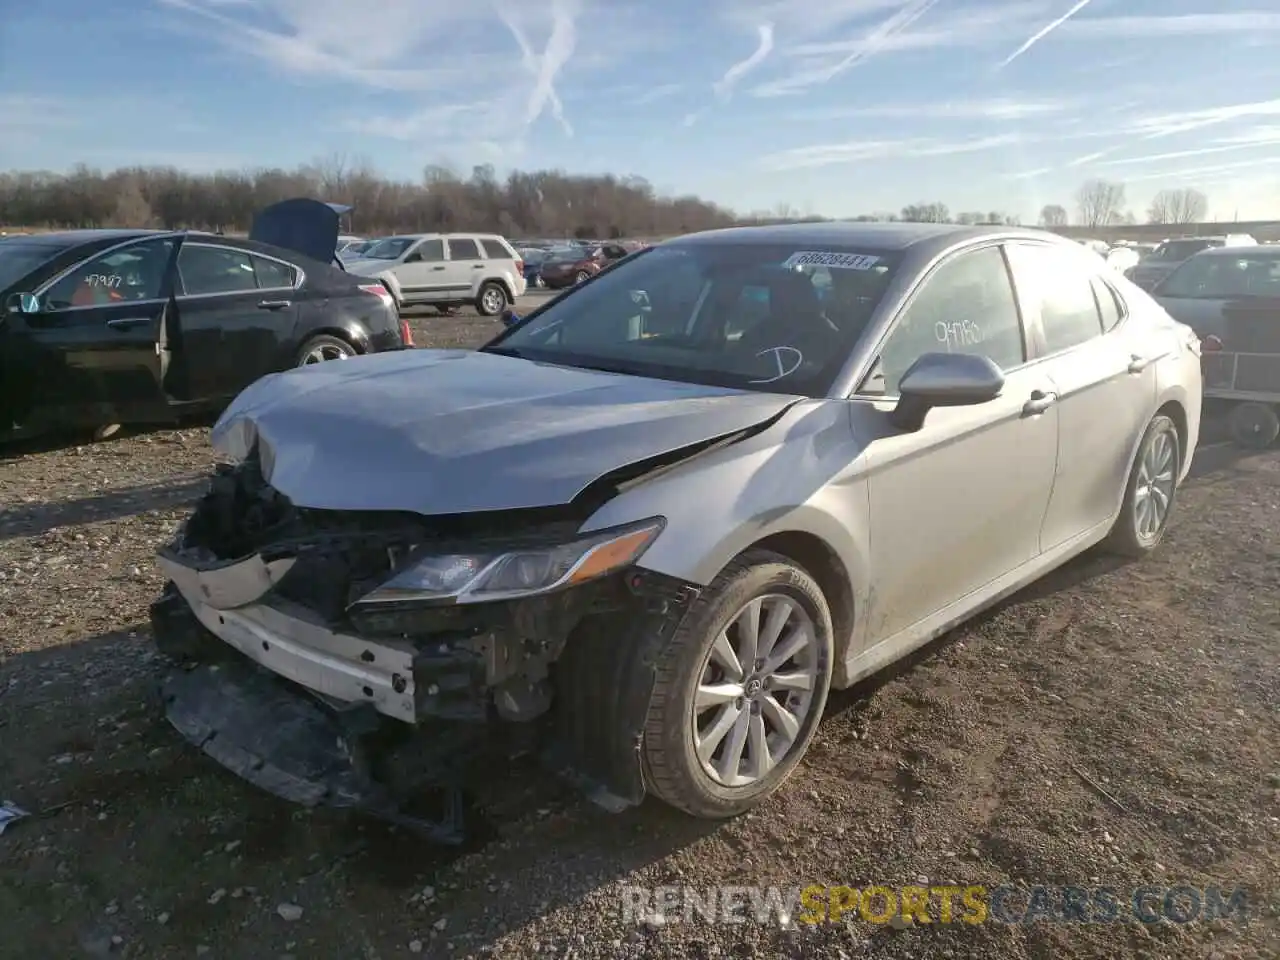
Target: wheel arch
{"x":358,"y":342}
{"x":817,"y":558}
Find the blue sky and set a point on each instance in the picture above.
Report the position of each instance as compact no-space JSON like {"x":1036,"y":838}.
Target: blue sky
{"x":834,"y":107}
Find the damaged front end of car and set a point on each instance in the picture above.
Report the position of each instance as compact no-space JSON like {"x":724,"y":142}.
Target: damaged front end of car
{"x":360,"y":659}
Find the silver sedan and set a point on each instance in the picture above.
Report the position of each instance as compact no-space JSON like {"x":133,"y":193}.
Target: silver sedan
{"x":668,"y":511}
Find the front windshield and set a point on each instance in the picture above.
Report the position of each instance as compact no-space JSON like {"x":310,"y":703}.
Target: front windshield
{"x":1179,"y":249}
{"x":750,"y":316}
{"x":18,"y":259}
{"x":1217,"y":277}
{"x":392,"y":248}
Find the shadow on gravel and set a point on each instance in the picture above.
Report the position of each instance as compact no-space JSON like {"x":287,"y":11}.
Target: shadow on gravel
{"x":29,"y":520}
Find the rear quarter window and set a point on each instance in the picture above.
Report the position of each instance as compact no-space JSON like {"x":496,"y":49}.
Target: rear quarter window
{"x":494,"y":249}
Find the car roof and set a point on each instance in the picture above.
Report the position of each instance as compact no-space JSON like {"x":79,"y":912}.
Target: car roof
{"x":871,"y":235}
{"x":67,"y":238}
{"x":1249,"y":250}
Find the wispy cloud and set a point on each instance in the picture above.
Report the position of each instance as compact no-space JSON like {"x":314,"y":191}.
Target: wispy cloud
{"x":1044,"y":31}
{"x":999,"y":109}
{"x":653,"y":94}
{"x":544,"y":68}
{"x":1188,"y":24}
{"x":825,"y":155}
{"x":1030,"y":174}
{"x":1211,"y":170}
{"x":867,"y":46}
{"x":724,"y":86}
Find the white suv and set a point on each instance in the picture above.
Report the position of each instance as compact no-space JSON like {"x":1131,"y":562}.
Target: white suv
{"x":445,"y":270}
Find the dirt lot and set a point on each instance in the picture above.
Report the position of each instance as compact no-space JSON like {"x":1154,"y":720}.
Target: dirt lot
{"x":1112,"y":726}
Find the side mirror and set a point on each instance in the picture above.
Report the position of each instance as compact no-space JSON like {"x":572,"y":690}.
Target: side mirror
{"x":22,"y":303}
{"x":509,"y":317}
{"x":944,"y":380}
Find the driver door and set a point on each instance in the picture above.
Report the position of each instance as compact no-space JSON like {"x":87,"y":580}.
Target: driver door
{"x":98,"y":346}
{"x":959,"y":503}
{"x":422,"y":273}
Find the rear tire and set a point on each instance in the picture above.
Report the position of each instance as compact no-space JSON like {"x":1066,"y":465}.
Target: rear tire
{"x":492,"y":299}
{"x":105,"y":432}
{"x":323,"y":348}
{"x":693,"y":661}
{"x":1254,"y":425}
{"x":1152,"y":486}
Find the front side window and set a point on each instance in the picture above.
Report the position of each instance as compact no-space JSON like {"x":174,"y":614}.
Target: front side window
{"x":966,"y":305}
{"x":206,"y":270}
{"x":392,"y":248}
{"x":122,"y":275}
{"x":746,"y":316}
{"x":1060,"y":286}
{"x":18,"y":259}
{"x":1220,"y":277}
{"x":428,"y":251}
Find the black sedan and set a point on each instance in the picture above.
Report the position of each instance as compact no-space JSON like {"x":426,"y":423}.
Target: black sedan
{"x":104,"y":327}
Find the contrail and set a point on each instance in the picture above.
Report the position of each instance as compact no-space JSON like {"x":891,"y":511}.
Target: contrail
{"x":1044,"y":32}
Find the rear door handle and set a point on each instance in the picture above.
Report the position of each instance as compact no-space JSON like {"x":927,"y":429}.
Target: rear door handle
{"x":1137,"y":364}
{"x":478,"y":266}
{"x":437,"y":268}
{"x":128,"y":323}
{"x":274,"y":304}
{"x":1039,"y":402}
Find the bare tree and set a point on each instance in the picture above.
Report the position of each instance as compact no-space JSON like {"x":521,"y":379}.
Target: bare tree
{"x":927,"y":213}
{"x":1100,"y":203}
{"x":532,"y":203}
{"x":1053,"y":215}
{"x":1178,"y":206}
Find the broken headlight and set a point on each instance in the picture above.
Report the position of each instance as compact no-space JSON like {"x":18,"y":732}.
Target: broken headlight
{"x":480,"y":577}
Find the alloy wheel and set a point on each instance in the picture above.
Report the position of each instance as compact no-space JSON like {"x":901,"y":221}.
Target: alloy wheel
{"x":1153,"y":493}
{"x":322,"y":352}
{"x":493,"y":301}
{"x":755,"y":691}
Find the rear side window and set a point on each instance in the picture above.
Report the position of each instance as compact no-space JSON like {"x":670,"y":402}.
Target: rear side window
{"x":495,"y":249}
{"x":1108,"y":304}
{"x":273,"y":273}
{"x":463,"y":248}
{"x":1060,"y":286}
{"x":206,"y":270}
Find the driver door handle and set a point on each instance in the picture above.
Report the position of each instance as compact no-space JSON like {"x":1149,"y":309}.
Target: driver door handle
{"x":1039,"y":402}
{"x":274,"y":304}
{"x":1137,"y":364}
{"x":437,"y":268}
{"x":128,"y":323}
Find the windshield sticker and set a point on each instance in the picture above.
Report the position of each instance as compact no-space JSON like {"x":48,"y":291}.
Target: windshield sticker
{"x":788,"y":360}
{"x":838,"y":261}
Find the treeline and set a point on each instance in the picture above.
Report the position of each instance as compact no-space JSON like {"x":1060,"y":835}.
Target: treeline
{"x":543,"y":203}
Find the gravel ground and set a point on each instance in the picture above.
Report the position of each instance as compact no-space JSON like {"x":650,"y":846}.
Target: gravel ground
{"x":1111,"y":725}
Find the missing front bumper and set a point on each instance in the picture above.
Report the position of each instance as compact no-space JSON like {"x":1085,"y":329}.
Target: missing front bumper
{"x":287,"y":744}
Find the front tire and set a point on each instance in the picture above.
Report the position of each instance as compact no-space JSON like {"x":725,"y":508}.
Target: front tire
{"x":1150,"y":493}
{"x":734,"y":709}
{"x":582,"y":277}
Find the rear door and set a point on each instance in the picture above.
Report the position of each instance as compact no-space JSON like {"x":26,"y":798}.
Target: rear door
{"x":1104,"y":373}
{"x":465,"y":268}
{"x":236,"y":316}
{"x":99,"y":347}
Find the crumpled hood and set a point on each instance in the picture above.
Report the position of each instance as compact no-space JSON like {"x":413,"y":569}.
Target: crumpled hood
{"x":440,"y":432}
